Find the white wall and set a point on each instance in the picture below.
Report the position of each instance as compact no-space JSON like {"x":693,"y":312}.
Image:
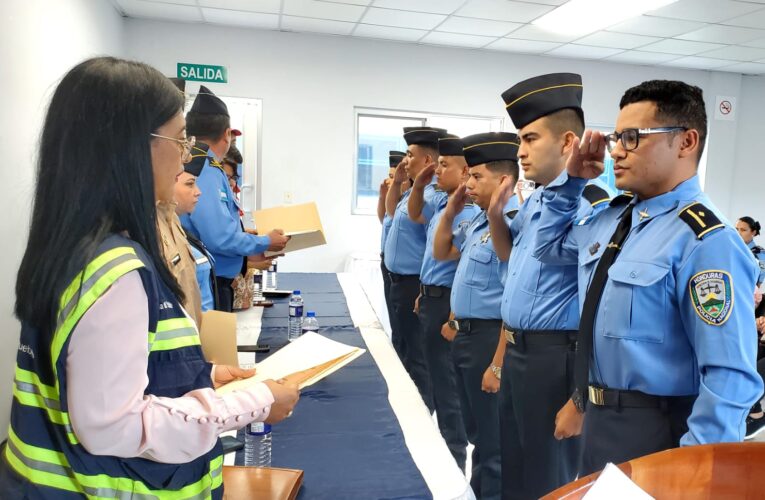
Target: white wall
{"x":39,"y":42}
{"x":310,"y":83}
{"x":747,"y":173}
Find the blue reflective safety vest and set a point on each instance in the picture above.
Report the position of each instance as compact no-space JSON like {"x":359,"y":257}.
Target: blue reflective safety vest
{"x":43,"y":452}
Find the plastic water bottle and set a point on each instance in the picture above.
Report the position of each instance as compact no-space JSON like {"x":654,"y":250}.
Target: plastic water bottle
{"x":296,"y":316}
{"x":310,"y":323}
{"x":257,"y":445}
{"x":272,"y":276}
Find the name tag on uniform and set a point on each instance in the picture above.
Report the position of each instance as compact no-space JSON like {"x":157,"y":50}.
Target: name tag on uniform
{"x":223,"y":196}
{"x":201,"y":260}
{"x":176,"y":259}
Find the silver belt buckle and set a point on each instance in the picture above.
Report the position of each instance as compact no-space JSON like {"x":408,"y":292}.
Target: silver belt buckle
{"x":596,"y":396}
{"x":509,"y":335}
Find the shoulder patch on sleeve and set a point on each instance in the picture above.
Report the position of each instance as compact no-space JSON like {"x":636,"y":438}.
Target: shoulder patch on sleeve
{"x":622,"y":199}
{"x":712,"y":296}
{"x":701,"y":220}
{"x":595,"y":195}
{"x":511,"y":213}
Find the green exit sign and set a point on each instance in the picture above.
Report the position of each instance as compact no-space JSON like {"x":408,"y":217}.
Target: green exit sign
{"x":202,"y":73}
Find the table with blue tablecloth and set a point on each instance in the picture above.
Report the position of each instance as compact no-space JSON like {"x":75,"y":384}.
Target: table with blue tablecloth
{"x":363,"y":432}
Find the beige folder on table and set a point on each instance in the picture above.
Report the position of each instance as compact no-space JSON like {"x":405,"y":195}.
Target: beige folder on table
{"x":300,"y":222}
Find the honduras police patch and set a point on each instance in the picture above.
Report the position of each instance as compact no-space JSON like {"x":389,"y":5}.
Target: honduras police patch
{"x":712,"y":296}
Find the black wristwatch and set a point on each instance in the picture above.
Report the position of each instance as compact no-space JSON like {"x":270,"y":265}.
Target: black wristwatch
{"x":578,"y":401}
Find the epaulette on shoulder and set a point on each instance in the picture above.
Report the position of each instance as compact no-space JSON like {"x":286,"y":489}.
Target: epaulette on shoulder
{"x":622,"y":199}
{"x":701,"y":219}
{"x":596,"y":195}
{"x":757,"y":249}
{"x":512,"y":213}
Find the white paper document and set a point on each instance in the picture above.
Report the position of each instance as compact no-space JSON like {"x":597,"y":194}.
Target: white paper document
{"x":308,"y":352}
{"x":613,"y":483}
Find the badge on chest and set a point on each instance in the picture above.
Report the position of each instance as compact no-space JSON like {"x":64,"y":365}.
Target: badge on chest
{"x":485,"y":237}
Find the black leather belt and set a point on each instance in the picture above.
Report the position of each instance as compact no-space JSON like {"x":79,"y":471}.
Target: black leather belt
{"x":470,"y":325}
{"x":435,"y":291}
{"x":539,"y":337}
{"x":600,"y":396}
{"x":394,"y":277}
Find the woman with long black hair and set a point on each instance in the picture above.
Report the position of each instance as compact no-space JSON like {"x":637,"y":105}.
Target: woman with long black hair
{"x":112,"y":396}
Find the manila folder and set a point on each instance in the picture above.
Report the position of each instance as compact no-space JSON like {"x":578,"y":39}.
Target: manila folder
{"x":304,"y":361}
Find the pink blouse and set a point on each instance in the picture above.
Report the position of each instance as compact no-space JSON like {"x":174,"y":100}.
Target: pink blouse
{"x":106,"y":372}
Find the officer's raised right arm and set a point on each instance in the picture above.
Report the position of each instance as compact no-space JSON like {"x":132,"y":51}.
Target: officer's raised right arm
{"x":218,"y":229}
{"x":443,"y":241}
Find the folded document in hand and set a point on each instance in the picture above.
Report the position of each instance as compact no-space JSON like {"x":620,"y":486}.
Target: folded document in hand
{"x":304,"y":361}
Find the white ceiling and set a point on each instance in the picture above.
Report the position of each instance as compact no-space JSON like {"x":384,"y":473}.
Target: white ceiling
{"x":721,"y":35}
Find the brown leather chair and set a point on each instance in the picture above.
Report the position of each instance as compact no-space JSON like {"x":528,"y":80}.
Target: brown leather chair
{"x":728,"y":470}
{"x":263,"y":483}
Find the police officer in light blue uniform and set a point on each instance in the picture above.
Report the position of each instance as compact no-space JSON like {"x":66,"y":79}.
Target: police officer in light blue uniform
{"x":394,"y":158}
{"x":748,"y":228}
{"x":404,"y":248}
{"x":436,"y":279}
{"x":666,"y":350}
{"x":475,"y":298}
{"x":216,"y":219}
{"x":540,"y":311}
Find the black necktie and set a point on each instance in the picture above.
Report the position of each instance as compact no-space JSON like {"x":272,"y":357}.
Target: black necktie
{"x":591,"y":301}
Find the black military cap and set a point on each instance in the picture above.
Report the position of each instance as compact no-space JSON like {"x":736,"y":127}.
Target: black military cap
{"x":207,"y":103}
{"x":179,"y":82}
{"x":490,"y":146}
{"x":423,"y":136}
{"x":198,"y":159}
{"x":451,"y":145}
{"x":395,"y":157}
{"x":542,"y":95}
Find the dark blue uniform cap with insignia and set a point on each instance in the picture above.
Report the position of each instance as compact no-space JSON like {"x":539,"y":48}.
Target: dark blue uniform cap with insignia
{"x":198,"y":159}
{"x":423,"y":136}
{"x":450,"y":146}
{"x":542,"y":95}
{"x":207,"y":103}
{"x":491,"y":146}
{"x":395,"y":157}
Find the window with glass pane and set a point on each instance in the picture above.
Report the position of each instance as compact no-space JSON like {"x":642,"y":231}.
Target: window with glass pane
{"x":377,"y":135}
{"x":380,"y":131}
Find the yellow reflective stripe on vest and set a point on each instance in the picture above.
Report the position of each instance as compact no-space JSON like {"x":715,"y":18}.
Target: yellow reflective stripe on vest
{"x":174,"y":334}
{"x":29,"y":391}
{"x":98,"y":276}
{"x":50,"y":468}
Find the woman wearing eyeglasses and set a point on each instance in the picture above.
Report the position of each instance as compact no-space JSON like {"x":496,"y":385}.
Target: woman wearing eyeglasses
{"x":112,"y":396}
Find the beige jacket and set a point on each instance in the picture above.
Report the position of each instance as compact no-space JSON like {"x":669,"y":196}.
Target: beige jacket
{"x":180,"y":261}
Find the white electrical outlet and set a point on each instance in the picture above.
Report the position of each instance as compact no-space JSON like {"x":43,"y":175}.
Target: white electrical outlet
{"x":288,"y":197}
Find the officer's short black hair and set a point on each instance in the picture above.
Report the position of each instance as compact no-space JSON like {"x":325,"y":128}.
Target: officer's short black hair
{"x":677,"y":103}
{"x":566,"y":120}
{"x":504,"y":167}
{"x":206,"y":126}
{"x":754,"y":226}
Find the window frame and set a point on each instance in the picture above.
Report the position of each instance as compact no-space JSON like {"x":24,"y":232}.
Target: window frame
{"x":424,"y":116}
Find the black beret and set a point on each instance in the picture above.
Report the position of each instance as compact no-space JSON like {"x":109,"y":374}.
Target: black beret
{"x":198,"y":159}
{"x":542,"y":95}
{"x":490,"y":146}
{"x":423,"y":136}
{"x":395,"y":157}
{"x":450,"y":146}
{"x":207,"y":103}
